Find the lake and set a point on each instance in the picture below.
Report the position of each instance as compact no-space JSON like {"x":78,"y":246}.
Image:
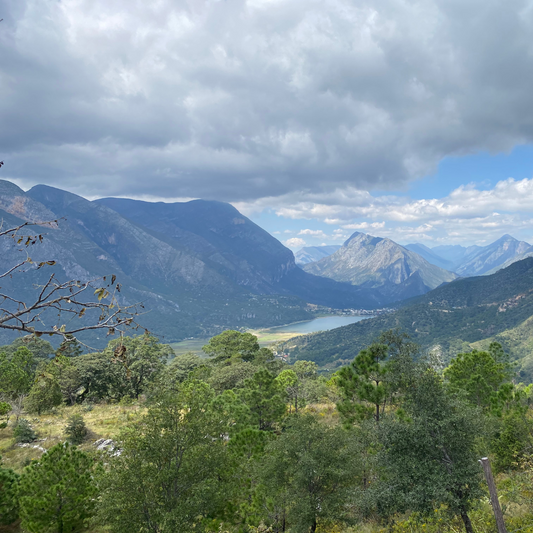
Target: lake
{"x":318,"y":324}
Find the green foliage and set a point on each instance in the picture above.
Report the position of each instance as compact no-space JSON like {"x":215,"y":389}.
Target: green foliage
{"x":41,"y":349}
{"x":23,"y":432}
{"x":142,"y":358}
{"x":364,"y":385}
{"x":430,"y":454}
{"x":232,"y":346}
{"x":69,"y":347}
{"x":182,"y":365}
{"x":231,"y":376}
{"x":16,"y":372}
{"x":173,"y":460}
{"x":100,"y":377}
{"x":76,"y":430}
{"x":479,"y":374}
{"x":5,"y":409}
{"x":450,"y":316}
{"x":9,"y":507}
{"x":265,"y":400}
{"x":57,"y":493}
{"x":44,"y":395}
{"x":308,"y":475}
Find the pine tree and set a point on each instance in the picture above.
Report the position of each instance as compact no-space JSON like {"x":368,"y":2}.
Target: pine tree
{"x":57,"y":493}
{"x":9,"y":509}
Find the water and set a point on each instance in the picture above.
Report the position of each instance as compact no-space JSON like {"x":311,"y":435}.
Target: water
{"x":318,"y":324}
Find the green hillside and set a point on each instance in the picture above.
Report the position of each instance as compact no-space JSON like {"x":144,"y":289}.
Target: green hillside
{"x":451,"y":317}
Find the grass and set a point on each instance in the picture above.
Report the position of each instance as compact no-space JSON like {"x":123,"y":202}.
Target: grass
{"x":266,"y":338}
{"x":103,"y":421}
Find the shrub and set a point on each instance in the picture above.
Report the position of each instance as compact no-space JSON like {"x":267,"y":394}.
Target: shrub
{"x":23,"y":431}
{"x":76,"y":430}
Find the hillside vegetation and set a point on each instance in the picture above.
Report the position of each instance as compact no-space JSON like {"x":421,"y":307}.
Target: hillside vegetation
{"x":116,"y":441}
{"x":449,"y":318}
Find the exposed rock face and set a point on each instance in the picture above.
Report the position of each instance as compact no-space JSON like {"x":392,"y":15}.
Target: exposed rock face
{"x":375,"y":262}
{"x":491,"y":258}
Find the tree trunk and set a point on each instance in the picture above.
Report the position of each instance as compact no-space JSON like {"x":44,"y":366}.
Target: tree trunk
{"x":313,"y":526}
{"x":466,"y":521}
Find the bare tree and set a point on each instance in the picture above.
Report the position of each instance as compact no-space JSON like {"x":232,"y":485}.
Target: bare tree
{"x":62,"y":300}
{"x":63,"y":308}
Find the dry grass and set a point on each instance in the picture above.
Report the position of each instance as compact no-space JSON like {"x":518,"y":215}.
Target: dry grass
{"x":103,"y":421}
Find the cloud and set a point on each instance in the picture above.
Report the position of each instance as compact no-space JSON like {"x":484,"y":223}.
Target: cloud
{"x":295,"y":242}
{"x":365,"y":226}
{"x":250,"y":99}
{"x":313,"y":233}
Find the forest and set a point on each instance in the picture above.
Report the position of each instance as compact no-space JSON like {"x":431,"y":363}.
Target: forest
{"x":134,"y":439}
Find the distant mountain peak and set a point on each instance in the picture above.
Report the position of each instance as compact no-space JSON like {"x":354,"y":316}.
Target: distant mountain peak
{"x":380,"y":262}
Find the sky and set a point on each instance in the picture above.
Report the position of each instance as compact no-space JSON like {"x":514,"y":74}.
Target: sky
{"x":408,"y":119}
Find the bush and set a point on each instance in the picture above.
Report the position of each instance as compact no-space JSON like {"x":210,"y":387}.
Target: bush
{"x":76,"y":430}
{"x":23,"y":431}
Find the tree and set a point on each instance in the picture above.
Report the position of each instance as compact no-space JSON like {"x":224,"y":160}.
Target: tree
{"x":430,"y":454}
{"x":231,"y":376}
{"x":5,"y":409}
{"x":264,"y":398}
{"x":232,"y":346}
{"x":182,"y":365}
{"x":9,"y":506}
{"x":23,"y":431}
{"x":479,"y":374}
{"x":57,"y":493}
{"x":76,"y":430}
{"x":70,"y":347}
{"x":54,"y":303}
{"x":44,"y":395}
{"x":141,"y":359}
{"x":172,"y":459}
{"x":308,"y":475}
{"x":16,"y":373}
{"x":363,"y":385}
{"x":41,"y":349}
{"x":100,"y":376}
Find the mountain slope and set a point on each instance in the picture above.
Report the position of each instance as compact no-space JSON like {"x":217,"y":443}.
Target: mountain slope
{"x":450,"y":317}
{"x":430,"y":256}
{"x":232,"y":244}
{"x":309,"y":254}
{"x":379,"y":263}
{"x":183,"y":296}
{"x":492,"y":256}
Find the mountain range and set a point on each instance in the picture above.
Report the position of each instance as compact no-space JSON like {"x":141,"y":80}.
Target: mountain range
{"x":475,"y":260}
{"x":199,"y":267}
{"x":381,"y":264}
{"x":466,"y":313}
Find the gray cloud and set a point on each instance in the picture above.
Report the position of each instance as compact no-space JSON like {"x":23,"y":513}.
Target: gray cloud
{"x":242,"y":100}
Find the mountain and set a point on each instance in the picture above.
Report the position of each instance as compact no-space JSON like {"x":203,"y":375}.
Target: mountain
{"x":183,"y":295}
{"x":492,"y":257}
{"x":455,"y":253}
{"x":381,"y":264}
{"x":514,"y":259}
{"x":430,"y":256}
{"x":447,"y":320}
{"x":199,"y":267}
{"x":476,"y":260}
{"x":310,"y":254}
{"x":222,"y":237}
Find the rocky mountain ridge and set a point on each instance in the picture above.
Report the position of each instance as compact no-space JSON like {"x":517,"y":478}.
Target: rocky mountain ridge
{"x":380,"y":263}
